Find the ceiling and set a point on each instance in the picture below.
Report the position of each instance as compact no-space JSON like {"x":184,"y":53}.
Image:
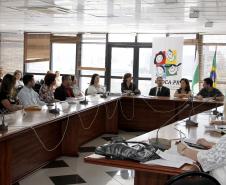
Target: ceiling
{"x":114,"y":16}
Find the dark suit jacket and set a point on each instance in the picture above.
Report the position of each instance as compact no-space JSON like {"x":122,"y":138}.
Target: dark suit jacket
{"x":61,"y":93}
{"x":164,"y":91}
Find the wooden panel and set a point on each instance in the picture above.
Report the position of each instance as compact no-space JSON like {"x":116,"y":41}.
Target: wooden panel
{"x":27,"y":152}
{"x":143,"y":117}
{"x":70,"y":144}
{"x":5,"y":159}
{"x":111,"y":117}
{"x":144,"y":178}
{"x":91,"y":124}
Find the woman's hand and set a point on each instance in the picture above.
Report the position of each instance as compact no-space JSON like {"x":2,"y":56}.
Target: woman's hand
{"x":205,"y":143}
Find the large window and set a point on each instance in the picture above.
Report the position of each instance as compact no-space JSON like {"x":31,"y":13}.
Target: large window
{"x":64,"y":58}
{"x":121,"y":61}
{"x":93,"y":55}
{"x":37,"y":67}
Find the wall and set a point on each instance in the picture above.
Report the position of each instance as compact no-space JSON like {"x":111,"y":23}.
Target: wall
{"x":11,"y":51}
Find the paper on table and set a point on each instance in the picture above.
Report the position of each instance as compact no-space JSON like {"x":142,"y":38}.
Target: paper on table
{"x":163,"y":162}
{"x":170,"y":158}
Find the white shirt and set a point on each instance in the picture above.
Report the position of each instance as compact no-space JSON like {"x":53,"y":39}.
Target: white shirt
{"x":158,"y":89}
{"x":214,"y":160}
{"x":94,"y":90}
{"x":19,"y":83}
{"x":27,"y":97}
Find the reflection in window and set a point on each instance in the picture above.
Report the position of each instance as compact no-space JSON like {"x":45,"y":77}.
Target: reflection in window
{"x":145,"y":62}
{"x":121,"y":61}
{"x":37,"y":67}
{"x":64,"y":57}
{"x":93,"y":55}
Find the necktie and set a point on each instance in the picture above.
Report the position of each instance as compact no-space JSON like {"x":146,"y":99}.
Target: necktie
{"x":159,"y":92}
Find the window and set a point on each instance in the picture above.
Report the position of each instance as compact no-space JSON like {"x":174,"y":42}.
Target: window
{"x":116,"y":85}
{"x":185,"y":36}
{"x":37,"y":67}
{"x":208,"y":55}
{"x":93,"y":55}
{"x":64,"y":58}
{"x":145,"y":62}
{"x":121,"y":61}
{"x":145,"y":86}
{"x":188,"y":62}
{"x":214,"y":38}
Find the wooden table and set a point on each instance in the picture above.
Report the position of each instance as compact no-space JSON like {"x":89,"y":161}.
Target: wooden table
{"x":21,"y":152}
{"x":155,"y":174}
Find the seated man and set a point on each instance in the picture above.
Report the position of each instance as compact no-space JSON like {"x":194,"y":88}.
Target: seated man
{"x":65,"y":90}
{"x":27,"y":96}
{"x":209,"y":91}
{"x":160,"y":90}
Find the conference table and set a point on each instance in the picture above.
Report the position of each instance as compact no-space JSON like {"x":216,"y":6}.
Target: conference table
{"x":152,"y":174}
{"x":36,"y":137}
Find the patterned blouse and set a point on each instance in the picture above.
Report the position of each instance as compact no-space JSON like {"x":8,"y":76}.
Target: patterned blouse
{"x":46,"y":94}
{"x":214,"y":160}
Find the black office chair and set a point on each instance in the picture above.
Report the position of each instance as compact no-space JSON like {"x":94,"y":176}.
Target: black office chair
{"x":193,"y":178}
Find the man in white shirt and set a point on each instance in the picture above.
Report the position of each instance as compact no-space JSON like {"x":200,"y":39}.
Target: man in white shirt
{"x":27,"y":96}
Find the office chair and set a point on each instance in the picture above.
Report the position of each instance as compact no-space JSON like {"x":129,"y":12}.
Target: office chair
{"x":193,"y":178}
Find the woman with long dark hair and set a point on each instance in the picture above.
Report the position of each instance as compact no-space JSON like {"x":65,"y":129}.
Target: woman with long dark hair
{"x":6,"y":92}
{"x":94,"y":86}
{"x":127,"y":86}
{"x":46,"y":91}
{"x":184,"y":91}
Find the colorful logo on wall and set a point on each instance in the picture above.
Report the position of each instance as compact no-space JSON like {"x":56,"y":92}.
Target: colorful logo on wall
{"x":166,"y":63}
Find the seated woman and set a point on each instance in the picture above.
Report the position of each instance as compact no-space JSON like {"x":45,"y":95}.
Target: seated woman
{"x":127,"y":86}
{"x":6,"y":90}
{"x":95,"y":87}
{"x":75,"y":87}
{"x":213,"y":159}
{"x":46,"y":91}
{"x":18,"y":75}
{"x":184,"y":91}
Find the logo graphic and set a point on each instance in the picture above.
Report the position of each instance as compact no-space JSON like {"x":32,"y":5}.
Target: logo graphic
{"x":166,"y":63}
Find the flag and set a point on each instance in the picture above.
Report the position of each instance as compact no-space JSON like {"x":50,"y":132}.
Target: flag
{"x":195,"y":79}
{"x":213,"y":74}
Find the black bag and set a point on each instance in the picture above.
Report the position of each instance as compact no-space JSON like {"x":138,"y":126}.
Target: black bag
{"x":131,"y":150}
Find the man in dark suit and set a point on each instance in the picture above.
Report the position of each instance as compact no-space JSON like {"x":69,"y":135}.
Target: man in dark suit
{"x":160,"y":90}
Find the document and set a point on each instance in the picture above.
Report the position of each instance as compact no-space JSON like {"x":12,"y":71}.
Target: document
{"x":170,"y":158}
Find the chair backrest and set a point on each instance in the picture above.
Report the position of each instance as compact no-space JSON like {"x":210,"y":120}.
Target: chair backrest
{"x":193,"y":178}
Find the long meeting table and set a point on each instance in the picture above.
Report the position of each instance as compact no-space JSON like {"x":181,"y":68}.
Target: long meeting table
{"x":34,"y":138}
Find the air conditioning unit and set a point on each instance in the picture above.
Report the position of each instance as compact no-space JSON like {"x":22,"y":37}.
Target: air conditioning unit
{"x":194,"y":14}
{"x":209,"y":24}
